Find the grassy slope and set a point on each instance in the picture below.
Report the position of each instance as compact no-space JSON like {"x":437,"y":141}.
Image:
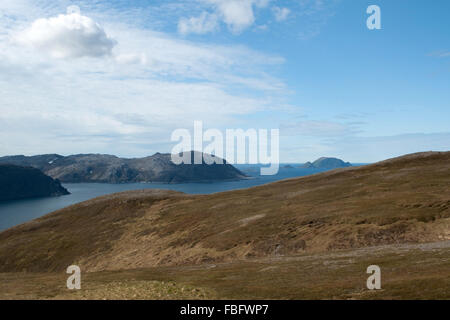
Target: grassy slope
{"x":404,"y":200}
{"x":420,"y":271}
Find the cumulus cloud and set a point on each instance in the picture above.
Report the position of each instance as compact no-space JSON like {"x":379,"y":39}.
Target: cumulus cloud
{"x":68,"y":36}
{"x":238,"y":15}
{"x":205,"y":23}
{"x":281,"y":14}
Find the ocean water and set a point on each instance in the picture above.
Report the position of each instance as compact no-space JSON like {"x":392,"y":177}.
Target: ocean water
{"x":16,"y":212}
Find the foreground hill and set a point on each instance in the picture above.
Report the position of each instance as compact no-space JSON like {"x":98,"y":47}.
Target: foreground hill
{"x":409,"y":271}
{"x":402,"y":200}
{"x":18,"y":182}
{"x":327,"y":163}
{"x":112,"y":169}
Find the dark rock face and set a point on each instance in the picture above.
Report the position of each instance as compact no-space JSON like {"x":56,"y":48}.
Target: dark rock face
{"x":327,"y":163}
{"x":17,"y":182}
{"x":111,"y":169}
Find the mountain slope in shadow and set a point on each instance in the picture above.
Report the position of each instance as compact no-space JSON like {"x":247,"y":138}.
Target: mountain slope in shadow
{"x":18,"y":182}
{"x":111,"y":169}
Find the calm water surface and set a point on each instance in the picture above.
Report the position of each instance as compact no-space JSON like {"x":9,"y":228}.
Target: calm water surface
{"x":16,"y":212}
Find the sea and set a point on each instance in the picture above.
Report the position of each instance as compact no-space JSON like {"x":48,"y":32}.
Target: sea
{"x":16,"y":212}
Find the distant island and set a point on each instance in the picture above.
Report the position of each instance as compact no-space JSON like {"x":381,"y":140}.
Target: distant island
{"x":17,"y":182}
{"x":326,"y":163}
{"x":103,"y":168}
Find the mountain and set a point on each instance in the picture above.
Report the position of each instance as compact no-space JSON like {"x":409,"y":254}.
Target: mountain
{"x":18,"y":182}
{"x":399,"y":201}
{"x":112,"y":169}
{"x":327,"y":163}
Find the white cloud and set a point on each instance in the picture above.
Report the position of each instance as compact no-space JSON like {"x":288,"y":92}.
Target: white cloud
{"x":68,"y":36}
{"x":171,"y":57}
{"x":132,"y":58}
{"x":128,"y":104}
{"x":205,"y":23}
{"x":281,"y":14}
{"x":238,"y":15}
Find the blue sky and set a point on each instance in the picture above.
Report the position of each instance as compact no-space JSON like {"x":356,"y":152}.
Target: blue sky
{"x":134,"y":71}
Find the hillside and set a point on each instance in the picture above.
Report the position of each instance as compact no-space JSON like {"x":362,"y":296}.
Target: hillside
{"x":409,"y":271}
{"x":112,"y":169}
{"x":18,"y":182}
{"x":399,"y":201}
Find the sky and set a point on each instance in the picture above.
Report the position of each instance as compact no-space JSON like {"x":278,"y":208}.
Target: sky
{"x":118,"y":77}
